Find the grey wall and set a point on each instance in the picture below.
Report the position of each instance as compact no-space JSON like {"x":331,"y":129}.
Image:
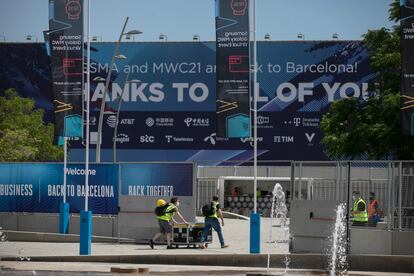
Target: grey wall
{"x":371,"y":241}
{"x":311,"y":234}
{"x":49,"y":223}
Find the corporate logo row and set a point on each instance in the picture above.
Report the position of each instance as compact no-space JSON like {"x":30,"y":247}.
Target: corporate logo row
{"x":165,"y":130}
{"x":262,"y":122}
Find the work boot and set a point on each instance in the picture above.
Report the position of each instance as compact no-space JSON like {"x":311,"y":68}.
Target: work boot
{"x":151,"y":244}
{"x":224,"y":246}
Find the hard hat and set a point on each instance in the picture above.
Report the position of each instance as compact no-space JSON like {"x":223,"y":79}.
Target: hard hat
{"x":160,"y":202}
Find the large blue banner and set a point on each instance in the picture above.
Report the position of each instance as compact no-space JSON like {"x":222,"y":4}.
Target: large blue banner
{"x":157,"y":179}
{"x":173,"y":107}
{"x":39,"y":188}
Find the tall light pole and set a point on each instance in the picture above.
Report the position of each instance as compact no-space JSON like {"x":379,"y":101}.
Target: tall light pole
{"x":85,"y":239}
{"x":117,"y":115}
{"x":108,"y":78}
{"x":255,"y":107}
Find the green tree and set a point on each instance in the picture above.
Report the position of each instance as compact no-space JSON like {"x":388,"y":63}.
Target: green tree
{"x":357,"y":127}
{"x":23,"y":134}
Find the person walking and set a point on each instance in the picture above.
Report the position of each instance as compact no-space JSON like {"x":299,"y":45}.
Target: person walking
{"x":359,"y":210}
{"x":165,"y":215}
{"x":373,"y":210}
{"x":211,"y":221}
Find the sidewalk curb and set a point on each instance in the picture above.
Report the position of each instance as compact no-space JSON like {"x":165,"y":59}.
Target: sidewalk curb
{"x":297,"y":261}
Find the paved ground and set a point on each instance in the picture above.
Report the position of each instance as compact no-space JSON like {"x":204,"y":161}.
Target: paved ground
{"x":236,"y":233}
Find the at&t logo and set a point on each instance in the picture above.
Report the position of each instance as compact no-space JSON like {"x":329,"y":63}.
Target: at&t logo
{"x":111,"y":121}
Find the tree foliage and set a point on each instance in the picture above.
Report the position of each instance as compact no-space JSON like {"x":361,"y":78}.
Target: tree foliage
{"x":371,"y":127}
{"x":23,"y":134}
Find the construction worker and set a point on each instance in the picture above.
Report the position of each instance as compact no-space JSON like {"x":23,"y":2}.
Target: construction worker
{"x":211,"y":221}
{"x":165,"y":213}
{"x":373,"y":210}
{"x":359,"y":210}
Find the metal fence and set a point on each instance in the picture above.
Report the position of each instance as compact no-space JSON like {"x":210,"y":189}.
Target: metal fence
{"x":391,"y":181}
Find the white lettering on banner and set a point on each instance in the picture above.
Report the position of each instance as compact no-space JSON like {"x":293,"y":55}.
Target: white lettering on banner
{"x":146,"y":139}
{"x":171,"y":138}
{"x":292,"y":67}
{"x":16,"y":189}
{"x":200,"y":97}
{"x":182,"y":68}
{"x":76,"y":171}
{"x":287,"y":92}
{"x":58,"y":190}
{"x":199,"y":92}
{"x":95,"y":191}
{"x":283,"y":139}
{"x":153,"y":190}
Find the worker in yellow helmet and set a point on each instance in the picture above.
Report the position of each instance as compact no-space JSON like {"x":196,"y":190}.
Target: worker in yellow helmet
{"x":165,"y":213}
{"x":359,"y":210}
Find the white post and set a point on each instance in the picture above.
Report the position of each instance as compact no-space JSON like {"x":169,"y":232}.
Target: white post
{"x":102,"y":109}
{"x":255,"y":92}
{"x":88,"y":79}
{"x":65,"y":158}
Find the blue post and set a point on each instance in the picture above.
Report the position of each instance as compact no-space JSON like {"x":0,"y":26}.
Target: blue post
{"x":64,"y":218}
{"x":85,"y":232}
{"x":254,"y":233}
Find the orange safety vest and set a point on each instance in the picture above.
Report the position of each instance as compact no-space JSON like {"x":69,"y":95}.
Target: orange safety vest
{"x":371,"y":208}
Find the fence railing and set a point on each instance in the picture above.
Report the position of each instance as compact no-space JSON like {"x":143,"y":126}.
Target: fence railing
{"x":391,"y":181}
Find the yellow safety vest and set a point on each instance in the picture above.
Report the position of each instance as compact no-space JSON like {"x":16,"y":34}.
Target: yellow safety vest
{"x":168,"y":214}
{"x":361,"y":216}
{"x":214,"y":206}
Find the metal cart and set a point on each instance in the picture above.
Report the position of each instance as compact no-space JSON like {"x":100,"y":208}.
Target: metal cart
{"x":189,"y":235}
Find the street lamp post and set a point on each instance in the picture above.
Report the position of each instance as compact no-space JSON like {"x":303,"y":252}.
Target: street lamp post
{"x":117,"y":116}
{"x":108,"y":78}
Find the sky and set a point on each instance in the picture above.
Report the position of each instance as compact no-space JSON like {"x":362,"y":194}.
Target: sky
{"x":179,"y":20}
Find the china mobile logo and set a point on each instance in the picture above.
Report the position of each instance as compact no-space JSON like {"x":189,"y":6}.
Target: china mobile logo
{"x":150,"y":121}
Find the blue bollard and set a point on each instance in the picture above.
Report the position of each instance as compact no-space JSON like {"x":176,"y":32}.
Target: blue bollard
{"x":64,"y":218}
{"x":85,"y":233}
{"x":254,"y":233}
